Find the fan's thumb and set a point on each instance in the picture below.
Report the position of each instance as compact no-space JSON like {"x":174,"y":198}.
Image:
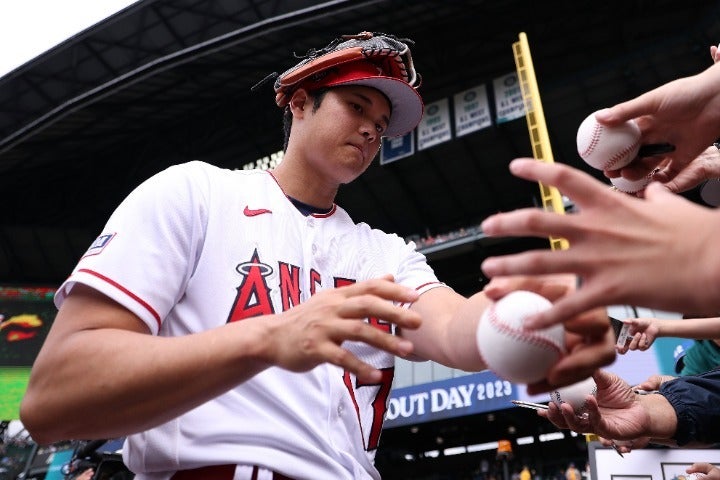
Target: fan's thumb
{"x":655,"y":191}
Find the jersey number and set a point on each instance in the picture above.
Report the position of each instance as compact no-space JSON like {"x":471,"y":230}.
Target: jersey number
{"x":379,"y":403}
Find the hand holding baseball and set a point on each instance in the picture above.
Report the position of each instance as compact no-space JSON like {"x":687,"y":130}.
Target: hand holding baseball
{"x":610,"y":148}
{"x":703,"y":471}
{"x":510,"y":351}
{"x":575,"y":395}
{"x":614,"y":411}
{"x":607,"y":147}
{"x":684,"y":113}
{"x":589,"y":340}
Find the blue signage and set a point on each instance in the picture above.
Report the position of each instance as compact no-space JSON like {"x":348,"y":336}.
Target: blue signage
{"x":397,"y":148}
{"x":456,"y":397}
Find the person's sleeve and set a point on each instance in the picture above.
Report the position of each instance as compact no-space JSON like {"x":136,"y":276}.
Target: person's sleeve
{"x":149,"y":247}
{"x":695,"y":399}
{"x":414,"y":270}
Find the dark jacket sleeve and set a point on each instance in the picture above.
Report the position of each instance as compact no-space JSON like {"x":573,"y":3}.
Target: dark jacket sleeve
{"x":696,"y":400}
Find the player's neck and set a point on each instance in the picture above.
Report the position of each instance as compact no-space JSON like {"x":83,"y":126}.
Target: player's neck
{"x":307,"y":210}
{"x":304,"y":185}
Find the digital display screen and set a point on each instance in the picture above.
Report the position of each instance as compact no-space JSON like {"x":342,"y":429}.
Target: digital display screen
{"x":25,"y":318}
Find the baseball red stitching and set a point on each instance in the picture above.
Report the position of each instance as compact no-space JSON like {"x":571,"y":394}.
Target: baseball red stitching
{"x":535,"y":338}
{"x":620,"y":155}
{"x":595,"y":138}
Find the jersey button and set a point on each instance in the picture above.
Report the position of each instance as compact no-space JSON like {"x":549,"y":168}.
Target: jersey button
{"x":314,"y":248}
{"x":340,"y":410}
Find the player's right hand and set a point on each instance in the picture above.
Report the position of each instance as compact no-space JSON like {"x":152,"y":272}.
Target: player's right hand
{"x":313,"y":332}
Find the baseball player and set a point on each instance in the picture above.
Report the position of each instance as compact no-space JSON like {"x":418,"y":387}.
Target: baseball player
{"x":239,"y":324}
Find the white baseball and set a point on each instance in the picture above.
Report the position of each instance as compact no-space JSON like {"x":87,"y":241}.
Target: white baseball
{"x":575,"y":395}
{"x":512,"y":353}
{"x":630,"y":186}
{"x":607,"y":148}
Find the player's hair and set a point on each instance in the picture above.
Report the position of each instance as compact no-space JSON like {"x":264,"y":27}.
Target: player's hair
{"x":317,"y":96}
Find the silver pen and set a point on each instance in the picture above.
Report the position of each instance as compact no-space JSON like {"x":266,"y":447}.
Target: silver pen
{"x":534,"y":406}
{"x":644,"y":392}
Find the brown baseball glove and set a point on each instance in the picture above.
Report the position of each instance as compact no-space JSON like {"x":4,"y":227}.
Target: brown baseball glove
{"x":387,"y":51}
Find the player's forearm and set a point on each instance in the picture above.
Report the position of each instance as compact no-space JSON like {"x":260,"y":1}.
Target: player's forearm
{"x":462,"y":346}
{"x":460,"y":334}
{"x":92,"y":388}
{"x":447,"y":334}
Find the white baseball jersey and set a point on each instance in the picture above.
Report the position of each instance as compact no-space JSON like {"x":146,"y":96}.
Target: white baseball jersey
{"x":195,"y":247}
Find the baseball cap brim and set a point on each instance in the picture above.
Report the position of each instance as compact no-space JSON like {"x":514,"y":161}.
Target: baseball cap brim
{"x":405,"y":102}
{"x":679,"y":354}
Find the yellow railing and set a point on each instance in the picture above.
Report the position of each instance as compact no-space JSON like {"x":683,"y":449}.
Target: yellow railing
{"x":537,"y":128}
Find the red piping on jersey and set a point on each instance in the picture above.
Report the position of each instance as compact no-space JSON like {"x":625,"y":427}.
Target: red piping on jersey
{"x":421,"y":287}
{"x":316,"y":215}
{"x":425,"y":285}
{"x":325,"y":215}
{"x":125,"y":291}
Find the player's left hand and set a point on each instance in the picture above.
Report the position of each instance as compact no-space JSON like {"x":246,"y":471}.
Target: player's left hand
{"x":589,"y":340}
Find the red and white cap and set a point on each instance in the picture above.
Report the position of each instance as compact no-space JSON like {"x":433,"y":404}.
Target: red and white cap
{"x":376,"y":60}
{"x":405,"y":102}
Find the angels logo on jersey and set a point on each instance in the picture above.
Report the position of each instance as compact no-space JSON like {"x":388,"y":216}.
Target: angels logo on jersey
{"x":254,"y":299}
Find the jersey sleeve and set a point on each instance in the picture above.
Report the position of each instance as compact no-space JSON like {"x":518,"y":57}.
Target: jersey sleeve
{"x":149,"y":247}
{"x":695,"y":399}
{"x":414,"y":271}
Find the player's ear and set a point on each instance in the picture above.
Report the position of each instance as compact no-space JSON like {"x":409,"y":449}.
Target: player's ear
{"x":299,"y":99}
